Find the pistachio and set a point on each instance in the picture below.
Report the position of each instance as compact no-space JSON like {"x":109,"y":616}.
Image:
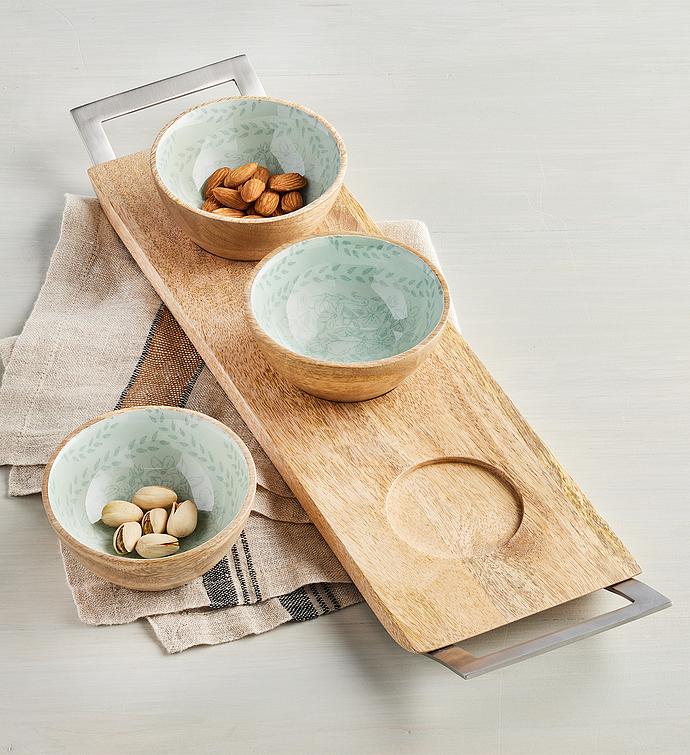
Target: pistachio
{"x":115,"y":513}
{"x":154,"y":521}
{"x":126,"y":537}
{"x":182,"y":519}
{"x":157,"y":545}
{"x":154,"y":497}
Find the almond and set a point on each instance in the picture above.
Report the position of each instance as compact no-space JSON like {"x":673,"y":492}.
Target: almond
{"x":229,"y":212}
{"x":262,"y":174}
{"x":291,"y":201}
{"x":266,"y":203}
{"x":252,"y":190}
{"x":238,"y":176}
{"x":287,"y":182}
{"x":211,"y":204}
{"x":230,"y":198}
{"x":215,"y":179}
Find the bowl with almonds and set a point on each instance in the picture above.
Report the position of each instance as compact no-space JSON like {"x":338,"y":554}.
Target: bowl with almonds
{"x":243,"y":175}
{"x":150,"y":497}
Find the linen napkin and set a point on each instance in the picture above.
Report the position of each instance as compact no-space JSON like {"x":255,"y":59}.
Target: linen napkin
{"x":99,"y":339}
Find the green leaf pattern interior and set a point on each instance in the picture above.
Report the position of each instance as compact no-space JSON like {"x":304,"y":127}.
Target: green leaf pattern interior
{"x":234,"y":132}
{"x":347,"y":298}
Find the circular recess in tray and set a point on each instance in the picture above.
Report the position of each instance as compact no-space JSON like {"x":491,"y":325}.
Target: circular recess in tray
{"x":454,"y":508}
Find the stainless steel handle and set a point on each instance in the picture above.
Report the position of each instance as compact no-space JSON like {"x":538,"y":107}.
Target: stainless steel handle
{"x":643,"y":601}
{"x":91,"y":117}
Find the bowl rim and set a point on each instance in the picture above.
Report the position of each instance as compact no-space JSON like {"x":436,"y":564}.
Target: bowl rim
{"x":332,"y":188}
{"x":77,"y":545}
{"x":261,"y":335}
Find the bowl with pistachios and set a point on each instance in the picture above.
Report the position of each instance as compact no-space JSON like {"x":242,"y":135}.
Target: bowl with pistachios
{"x":150,"y":497}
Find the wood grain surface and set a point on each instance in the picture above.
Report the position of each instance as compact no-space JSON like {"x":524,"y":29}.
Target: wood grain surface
{"x":342,"y":460}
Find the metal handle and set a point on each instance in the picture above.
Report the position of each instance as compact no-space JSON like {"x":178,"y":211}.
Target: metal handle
{"x":91,"y":117}
{"x":643,"y":601}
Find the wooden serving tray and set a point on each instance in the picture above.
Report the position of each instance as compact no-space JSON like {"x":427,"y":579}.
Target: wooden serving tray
{"x":447,"y":511}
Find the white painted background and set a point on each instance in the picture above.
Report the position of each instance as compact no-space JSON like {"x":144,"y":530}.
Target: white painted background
{"x":547,"y":145}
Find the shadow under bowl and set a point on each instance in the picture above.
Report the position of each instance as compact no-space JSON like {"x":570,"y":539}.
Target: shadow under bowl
{"x":112,"y":456}
{"x":281,"y":136}
{"x":346,"y":317}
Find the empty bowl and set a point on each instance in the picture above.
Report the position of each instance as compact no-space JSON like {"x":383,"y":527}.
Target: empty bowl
{"x":112,"y":456}
{"x":281,"y":136}
{"x":346,"y":317}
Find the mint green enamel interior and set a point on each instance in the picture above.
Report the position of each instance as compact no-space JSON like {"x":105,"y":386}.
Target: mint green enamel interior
{"x":116,"y":456}
{"x":233,"y":132}
{"x":347,"y":299}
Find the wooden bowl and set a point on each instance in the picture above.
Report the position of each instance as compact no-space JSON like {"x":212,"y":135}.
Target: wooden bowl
{"x":233,"y":131}
{"x":112,"y":456}
{"x":346,"y":317}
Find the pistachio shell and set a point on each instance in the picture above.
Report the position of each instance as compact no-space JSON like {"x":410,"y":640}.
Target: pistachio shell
{"x":154,"y":497}
{"x":157,"y":545}
{"x":154,"y":521}
{"x":116,"y":513}
{"x":126,"y":537}
{"x":182,"y":519}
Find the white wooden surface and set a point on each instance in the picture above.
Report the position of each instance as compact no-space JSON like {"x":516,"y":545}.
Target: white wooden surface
{"x":547,"y":145}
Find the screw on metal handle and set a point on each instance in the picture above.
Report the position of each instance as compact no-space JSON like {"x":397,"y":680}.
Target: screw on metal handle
{"x":643,"y":601}
{"x":91,"y":117}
